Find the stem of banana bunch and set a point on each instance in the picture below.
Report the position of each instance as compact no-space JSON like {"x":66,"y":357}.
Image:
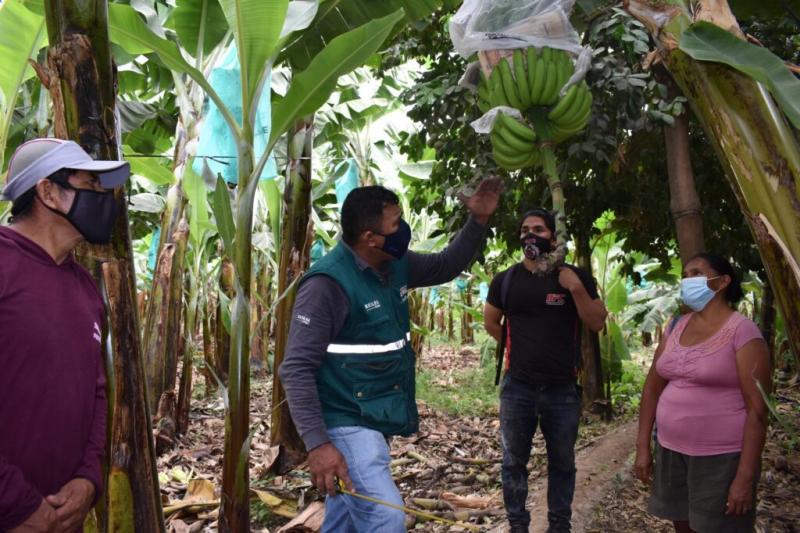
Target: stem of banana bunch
{"x":556,"y":258}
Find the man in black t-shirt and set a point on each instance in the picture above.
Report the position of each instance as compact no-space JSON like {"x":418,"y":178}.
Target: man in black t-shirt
{"x":543,"y":316}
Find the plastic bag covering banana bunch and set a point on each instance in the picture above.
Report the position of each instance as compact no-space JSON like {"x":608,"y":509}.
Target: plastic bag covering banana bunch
{"x":531,"y":83}
{"x":482,"y":25}
{"x":540,"y":79}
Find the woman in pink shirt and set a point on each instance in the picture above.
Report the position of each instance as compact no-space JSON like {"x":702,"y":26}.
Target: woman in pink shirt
{"x":710,"y":416}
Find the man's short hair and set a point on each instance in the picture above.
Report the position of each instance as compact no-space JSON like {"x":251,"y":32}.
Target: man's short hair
{"x":363,"y":210}
{"x":544,"y":214}
{"x":22,"y":206}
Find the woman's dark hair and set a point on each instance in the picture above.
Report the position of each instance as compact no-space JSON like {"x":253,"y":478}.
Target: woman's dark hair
{"x":733,"y":293}
{"x":22,"y":206}
{"x":544,"y":214}
{"x":363,"y":210}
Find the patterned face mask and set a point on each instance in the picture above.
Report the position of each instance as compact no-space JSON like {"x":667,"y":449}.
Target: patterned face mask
{"x":534,"y":246}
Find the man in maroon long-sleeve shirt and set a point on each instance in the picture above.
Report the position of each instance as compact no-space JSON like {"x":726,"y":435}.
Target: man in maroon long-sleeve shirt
{"x":52,"y":379}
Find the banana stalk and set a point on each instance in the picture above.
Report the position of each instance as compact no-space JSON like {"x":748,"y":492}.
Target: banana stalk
{"x":296,"y":237}
{"x":554,"y":259}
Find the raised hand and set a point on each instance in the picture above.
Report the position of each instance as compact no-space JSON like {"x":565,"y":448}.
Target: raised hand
{"x":483,"y":202}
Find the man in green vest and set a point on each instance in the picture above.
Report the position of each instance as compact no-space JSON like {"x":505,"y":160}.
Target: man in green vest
{"x":349,"y":365}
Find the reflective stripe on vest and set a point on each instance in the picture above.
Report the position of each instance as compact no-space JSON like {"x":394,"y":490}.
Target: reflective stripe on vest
{"x":369,"y":348}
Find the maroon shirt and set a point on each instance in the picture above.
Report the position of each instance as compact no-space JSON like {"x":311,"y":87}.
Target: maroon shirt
{"x":52,"y":379}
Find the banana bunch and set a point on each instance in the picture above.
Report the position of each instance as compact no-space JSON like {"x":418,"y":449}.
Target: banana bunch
{"x":531,"y":83}
{"x":513,"y":143}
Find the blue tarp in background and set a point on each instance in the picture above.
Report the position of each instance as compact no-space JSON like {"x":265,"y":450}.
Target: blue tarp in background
{"x":347,"y":181}
{"x":483,"y":291}
{"x":152,"y":254}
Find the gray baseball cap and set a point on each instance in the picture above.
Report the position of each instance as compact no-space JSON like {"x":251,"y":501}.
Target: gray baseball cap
{"x":39,"y":158}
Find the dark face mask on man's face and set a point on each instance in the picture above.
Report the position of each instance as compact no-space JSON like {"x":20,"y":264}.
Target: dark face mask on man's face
{"x":534,"y":246}
{"x":92,"y":213}
{"x":396,"y":244}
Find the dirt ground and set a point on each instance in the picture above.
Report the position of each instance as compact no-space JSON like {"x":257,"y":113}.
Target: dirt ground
{"x":452,"y":468}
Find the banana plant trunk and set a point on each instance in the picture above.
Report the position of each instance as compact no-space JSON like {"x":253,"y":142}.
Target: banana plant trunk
{"x":296,"y":236}
{"x":222,"y":338}
{"x":755,"y":145}
{"x":163,"y":325}
{"x":592,"y":374}
{"x":80,"y":77}
{"x":189,"y":344}
{"x":766,"y":318}
{"x":684,"y":203}
{"x":235,"y":498}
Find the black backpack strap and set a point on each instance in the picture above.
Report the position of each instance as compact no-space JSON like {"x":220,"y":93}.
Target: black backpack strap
{"x":505,"y":286}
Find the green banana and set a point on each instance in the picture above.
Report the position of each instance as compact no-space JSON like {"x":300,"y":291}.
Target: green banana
{"x":484,"y":105}
{"x":564,"y":104}
{"x":538,"y":81}
{"x":517,"y":128}
{"x":498,"y":94}
{"x":583,"y":116}
{"x":565,"y":70}
{"x":550,"y":91}
{"x":547,"y":54}
{"x":568,"y":118}
{"x":531,"y":67}
{"x":584,"y":110}
{"x":483,"y":89}
{"x":536,"y":157}
{"x":511,"y":163}
{"x":506,"y":151}
{"x":509,"y":86}
{"x":521,"y":77}
{"x":561,"y":135}
{"x":515,"y":143}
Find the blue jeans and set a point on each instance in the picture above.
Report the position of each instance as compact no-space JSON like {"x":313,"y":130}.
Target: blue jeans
{"x":557,"y":409}
{"x":367,"y":455}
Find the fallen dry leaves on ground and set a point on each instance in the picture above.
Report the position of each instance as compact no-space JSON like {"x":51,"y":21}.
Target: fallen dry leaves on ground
{"x":451,"y":468}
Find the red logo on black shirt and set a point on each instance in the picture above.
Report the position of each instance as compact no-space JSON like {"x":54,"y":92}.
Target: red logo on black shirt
{"x":555,"y":299}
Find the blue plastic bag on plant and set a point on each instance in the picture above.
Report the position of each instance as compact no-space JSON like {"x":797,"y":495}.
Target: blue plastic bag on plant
{"x":216,"y":144}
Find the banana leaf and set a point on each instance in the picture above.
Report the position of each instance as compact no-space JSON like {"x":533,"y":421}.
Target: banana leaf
{"x":22,"y":34}
{"x":257,"y":26}
{"x":148,"y":168}
{"x":199,"y":24}
{"x":704,"y":41}
{"x":195,"y":189}
{"x":128,"y":30}
{"x":336,"y":17}
{"x":312,"y":87}
{"x":221,"y":206}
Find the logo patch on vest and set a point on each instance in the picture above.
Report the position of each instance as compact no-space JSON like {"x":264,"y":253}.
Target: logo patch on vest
{"x":303,"y":319}
{"x":371,"y":306}
{"x":556,"y":299}
{"x":404,"y":293}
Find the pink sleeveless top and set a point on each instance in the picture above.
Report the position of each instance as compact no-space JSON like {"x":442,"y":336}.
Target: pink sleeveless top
{"x":702,"y":411}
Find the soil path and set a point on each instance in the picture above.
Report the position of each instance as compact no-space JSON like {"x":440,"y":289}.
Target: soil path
{"x":597,"y":465}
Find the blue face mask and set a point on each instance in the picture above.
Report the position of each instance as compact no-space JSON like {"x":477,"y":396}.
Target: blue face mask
{"x":696,"y":293}
{"x":396,"y":244}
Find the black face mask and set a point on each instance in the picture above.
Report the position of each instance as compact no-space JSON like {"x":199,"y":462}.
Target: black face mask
{"x":396,"y":244}
{"x":534,"y":246}
{"x":92,"y":213}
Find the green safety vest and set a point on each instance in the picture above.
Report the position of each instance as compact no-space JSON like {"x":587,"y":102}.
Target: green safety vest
{"x":367,"y":376}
